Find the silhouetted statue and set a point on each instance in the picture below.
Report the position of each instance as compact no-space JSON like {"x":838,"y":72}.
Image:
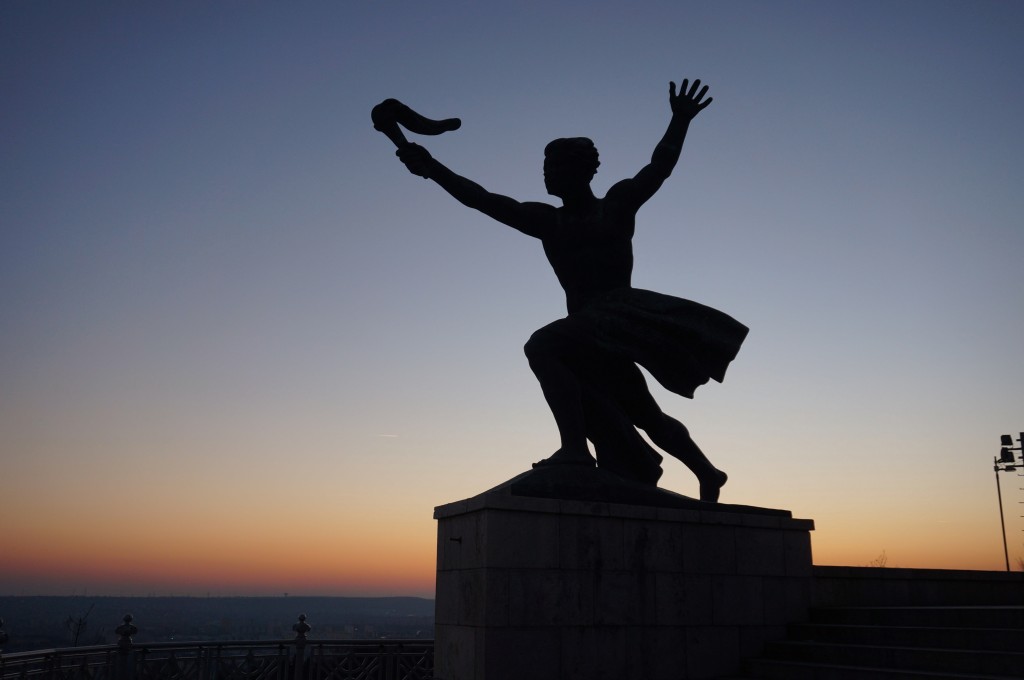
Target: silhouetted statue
{"x":587,"y":362}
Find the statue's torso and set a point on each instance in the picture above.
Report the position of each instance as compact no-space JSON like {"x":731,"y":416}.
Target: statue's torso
{"x":591,"y":254}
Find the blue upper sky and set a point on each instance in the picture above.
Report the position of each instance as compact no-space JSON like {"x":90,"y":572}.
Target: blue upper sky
{"x":215,"y":269}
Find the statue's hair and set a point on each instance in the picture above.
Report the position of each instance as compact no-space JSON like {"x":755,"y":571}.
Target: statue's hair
{"x":577,"y":151}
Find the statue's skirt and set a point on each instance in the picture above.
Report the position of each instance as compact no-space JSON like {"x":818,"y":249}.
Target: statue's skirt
{"x":681,"y":343}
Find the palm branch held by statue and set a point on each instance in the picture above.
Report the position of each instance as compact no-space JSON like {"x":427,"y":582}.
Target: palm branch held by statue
{"x":586,"y":363}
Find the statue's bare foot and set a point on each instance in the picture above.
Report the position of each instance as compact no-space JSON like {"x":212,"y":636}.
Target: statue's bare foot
{"x":711,"y":486}
{"x":563,"y":457}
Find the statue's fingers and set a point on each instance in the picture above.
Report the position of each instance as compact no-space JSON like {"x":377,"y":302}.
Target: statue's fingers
{"x":704,"y":105}
{"x":693,"y":90}
{"x":671,"y":89}
{"x":682,"y":88}
{"x":703,"y":91}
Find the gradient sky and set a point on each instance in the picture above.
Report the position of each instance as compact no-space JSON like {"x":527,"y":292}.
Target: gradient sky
{"x":243,"y":351}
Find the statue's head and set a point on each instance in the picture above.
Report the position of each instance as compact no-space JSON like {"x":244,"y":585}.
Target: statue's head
{"x":568,"y":163}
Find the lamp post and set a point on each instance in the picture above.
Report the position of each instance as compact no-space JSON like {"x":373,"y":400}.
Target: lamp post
{"x":1005,"y":462}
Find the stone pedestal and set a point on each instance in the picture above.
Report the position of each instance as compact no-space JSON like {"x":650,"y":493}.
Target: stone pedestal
{"x":548,"y":589}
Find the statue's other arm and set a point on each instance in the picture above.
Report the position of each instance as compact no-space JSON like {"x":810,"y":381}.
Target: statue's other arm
{"x":533,"y":219}
{"x":685,"y":106}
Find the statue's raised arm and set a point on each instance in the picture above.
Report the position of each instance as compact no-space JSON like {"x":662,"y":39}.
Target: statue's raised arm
{"x":685,"y":106}
{"x":533,"y":219}
{"x":391,"y":115}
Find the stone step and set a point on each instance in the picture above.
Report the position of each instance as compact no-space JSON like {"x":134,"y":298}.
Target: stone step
{"x":898,"y":643}
{"x":951,"y":617}
{"x":771,"y":669}
{"x":988,"y":639}
{"x":997,"y":663}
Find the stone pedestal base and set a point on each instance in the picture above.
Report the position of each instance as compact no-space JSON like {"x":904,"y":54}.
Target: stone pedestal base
{"x":549,"y":589}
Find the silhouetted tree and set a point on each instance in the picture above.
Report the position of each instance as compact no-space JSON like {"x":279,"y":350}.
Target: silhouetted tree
{"x":879,"y":561}
{"x":77,"y":625}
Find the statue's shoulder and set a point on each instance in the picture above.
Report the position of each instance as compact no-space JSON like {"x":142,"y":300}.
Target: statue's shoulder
{"x":622,"y":197}
{"x":533,"y":218}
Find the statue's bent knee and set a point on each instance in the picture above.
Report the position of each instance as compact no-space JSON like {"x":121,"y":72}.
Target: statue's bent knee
{"x":536,"y":347}
{"x":545,"y":343}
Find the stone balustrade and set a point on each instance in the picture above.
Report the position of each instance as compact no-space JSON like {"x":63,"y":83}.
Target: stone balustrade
{"x":296,"y":659}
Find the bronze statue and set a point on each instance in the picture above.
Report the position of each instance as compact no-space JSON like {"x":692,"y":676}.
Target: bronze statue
{"x":587,"y":362}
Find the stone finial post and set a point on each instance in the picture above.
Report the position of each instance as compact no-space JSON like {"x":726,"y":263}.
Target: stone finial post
{"x":124,"y":666}
{"x":125,"y":632}
{"x":299,"y":660}
{"x":301,"y":628}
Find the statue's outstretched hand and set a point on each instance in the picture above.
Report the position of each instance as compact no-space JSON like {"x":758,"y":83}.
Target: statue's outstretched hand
{"x":688,"y":104}
{"x":416,"y":159}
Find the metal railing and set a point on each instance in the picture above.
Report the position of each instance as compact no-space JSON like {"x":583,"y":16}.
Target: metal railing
{"x":295,"y":659}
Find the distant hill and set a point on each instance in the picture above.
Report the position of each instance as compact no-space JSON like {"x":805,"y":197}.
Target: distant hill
{"x":38,"y":622}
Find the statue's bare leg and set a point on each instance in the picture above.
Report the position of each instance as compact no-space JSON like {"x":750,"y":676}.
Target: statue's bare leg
{"x":666,"y":432}
{"x":547,"y":352}
{"x":672,"y":437}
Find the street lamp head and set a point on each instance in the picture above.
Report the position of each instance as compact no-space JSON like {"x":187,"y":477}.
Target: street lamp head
{"x":1005,"y":455}
{"x":1005,"y":440}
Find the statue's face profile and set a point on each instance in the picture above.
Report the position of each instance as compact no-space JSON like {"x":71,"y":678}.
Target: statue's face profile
{"x":560,"y":176}
{"x":569,"y":165}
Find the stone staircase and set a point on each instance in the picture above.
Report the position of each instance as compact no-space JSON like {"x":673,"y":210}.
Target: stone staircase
{"x":898,"y":643}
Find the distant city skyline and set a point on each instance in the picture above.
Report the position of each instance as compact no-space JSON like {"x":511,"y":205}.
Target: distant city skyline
{"x":46,"y":622}
{"x":243,"y":351}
